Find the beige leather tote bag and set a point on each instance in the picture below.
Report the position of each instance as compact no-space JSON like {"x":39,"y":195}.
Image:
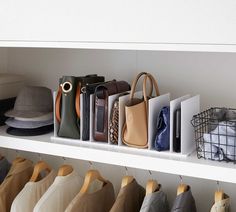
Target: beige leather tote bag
{"x":135,"y":129}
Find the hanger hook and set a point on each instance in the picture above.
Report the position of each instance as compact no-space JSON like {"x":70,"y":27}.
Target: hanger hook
{"x":181,"y":179}
{"x":17,"y":153}
{"x":40,"y":157}
{"x":64,"y":160}
{"x":218,"y":185}
{"x":90,"y":165}
{"x":126,"y":171}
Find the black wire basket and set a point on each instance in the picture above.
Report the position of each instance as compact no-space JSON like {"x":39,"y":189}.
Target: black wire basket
{"x":215,"y":134}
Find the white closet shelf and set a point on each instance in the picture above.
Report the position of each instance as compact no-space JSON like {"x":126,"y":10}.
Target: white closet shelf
{"x":108,"y":154}
{"x":195,"y":47}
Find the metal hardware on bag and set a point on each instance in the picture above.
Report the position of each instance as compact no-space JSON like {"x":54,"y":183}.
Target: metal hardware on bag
{"x":64,"y":87}
{"x":83,"y":89}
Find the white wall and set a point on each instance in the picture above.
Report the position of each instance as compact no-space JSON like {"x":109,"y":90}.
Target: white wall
{"x":212,"y":75}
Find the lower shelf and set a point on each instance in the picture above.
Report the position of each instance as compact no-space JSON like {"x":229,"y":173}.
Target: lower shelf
{"x":108,"y":154}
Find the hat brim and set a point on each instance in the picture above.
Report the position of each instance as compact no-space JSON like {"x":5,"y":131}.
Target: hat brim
{"x":11,"y":122}
{"x":25,"y":114}
{"x":46,"y":117}
{"x":30,"y":132}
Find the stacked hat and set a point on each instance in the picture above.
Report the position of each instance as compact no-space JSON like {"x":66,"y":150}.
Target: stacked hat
{"x":32,"y":113}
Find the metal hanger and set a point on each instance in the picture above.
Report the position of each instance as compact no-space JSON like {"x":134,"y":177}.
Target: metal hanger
{"x":126,"y":179}
{"x":152,"y":185}
{"x":182,"y":187}
{"x":65,"y":169}
{"x":38,"y":168}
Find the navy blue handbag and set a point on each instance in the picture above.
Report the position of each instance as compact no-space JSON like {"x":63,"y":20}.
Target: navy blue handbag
{"x":162,"y":138}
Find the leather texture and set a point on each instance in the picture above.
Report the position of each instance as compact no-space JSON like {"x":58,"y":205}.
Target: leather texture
{"x":162,"y":138}
{"x":135,"y":129}
{"x":69,"y":125}
{"x":67,"y":108}
{"x":102,"y":93}
{"x":87,"y":90}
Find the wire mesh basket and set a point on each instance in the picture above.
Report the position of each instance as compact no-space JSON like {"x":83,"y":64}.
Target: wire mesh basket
{"x":215,"y":134}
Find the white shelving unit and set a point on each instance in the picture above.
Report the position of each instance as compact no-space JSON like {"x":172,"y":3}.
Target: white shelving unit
{"x":197,"y":47}
{"x":186,"y":166}
{"x":79,"y":25}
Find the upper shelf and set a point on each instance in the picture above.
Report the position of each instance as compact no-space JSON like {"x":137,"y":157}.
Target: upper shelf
{"x":205,"y":25}
{"x":194,"y":47}
{"x":109,"y":154}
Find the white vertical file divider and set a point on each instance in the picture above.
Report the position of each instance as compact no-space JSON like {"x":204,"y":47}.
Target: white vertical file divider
{"x":111,"y":100}
{"x":189,"y":108}
{"x":56,"y":126}
{"x":154,"y":108}
{"x":91,"y":124}
{"x":122,"y":101}
{"x":174,"y":105}
{"x":81,"y":115}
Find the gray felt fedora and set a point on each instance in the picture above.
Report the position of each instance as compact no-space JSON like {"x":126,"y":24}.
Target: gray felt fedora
{"x":12,"y":122}
{"x":31,"y":102}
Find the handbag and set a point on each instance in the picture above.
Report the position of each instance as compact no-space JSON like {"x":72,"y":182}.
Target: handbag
{"x":87,"y":90}
{"x":67,"y":106}
{"x":162,"y":138}
{"x":114,"y":121}
{"x":102,"y":92}
{"x":135,"y":129}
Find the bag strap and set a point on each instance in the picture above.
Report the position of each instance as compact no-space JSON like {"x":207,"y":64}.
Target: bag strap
{"x":58,"y":102}
{"x":153,"y":82}
{"x":134,"y":84}
{"x":77,"y":100}
{"x":58,"y":105}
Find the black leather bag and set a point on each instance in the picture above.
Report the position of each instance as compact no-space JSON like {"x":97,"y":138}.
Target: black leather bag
{"x":102,"y":92}
{"x":87,"y":91}
{"x":67,"y":106}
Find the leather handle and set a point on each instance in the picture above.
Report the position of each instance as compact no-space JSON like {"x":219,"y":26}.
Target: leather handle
{"x":134,"y":84}
{"x":153,"y":82}
{"x":77,"y":100}
{"x":58,"y":102}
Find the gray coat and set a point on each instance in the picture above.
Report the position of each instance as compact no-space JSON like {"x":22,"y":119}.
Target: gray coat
{"x":184,"y":202}
{"x":155,"y":202}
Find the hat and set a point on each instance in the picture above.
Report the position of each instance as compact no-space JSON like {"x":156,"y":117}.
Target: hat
{"x":12,"y":122}
{"x":30,"y":132}
{"x":46,"y":117}
{"x":32,"y":102}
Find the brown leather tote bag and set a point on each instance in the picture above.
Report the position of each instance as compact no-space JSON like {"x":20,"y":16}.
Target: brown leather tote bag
{"x":135,"y":129}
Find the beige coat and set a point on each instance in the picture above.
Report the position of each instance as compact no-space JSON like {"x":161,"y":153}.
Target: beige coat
{"x":14,"y":182}
{"x":99,"y":201}
{"x":130,"y":198}
{"x":222,"y":206}
{"x":31,"y":194}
